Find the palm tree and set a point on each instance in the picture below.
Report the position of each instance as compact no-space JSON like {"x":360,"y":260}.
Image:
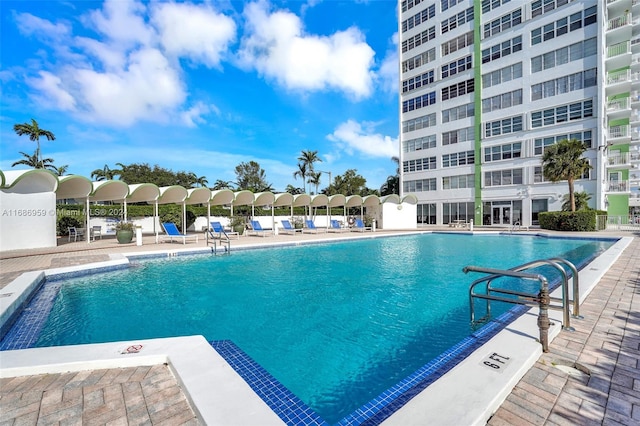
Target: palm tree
{"x":35,"y":133}
{"x":202,"y":181}
{"x":582,"y":201}
{"x":564,"y":161}
{"x":222,"y":184}
{"x":392,"y":184}
{"x":314,"y":179}
{"x":105,"y":173}
{"x":33,"y":161}
{"x":302,"y":172}
{"x":60,"y":171}
{"x":306,"y":161}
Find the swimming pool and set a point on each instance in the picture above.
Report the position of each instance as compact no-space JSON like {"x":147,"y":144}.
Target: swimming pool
{"x":335,"y":323}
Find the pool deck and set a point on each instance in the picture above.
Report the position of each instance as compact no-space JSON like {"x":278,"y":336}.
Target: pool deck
{"x":606,"y":343}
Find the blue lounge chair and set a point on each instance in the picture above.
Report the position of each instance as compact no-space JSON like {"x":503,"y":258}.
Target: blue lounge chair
{"x":172,"y":232}
{"x":217,"y":232}
{"x":359,"y":226}
{"x":256,"y":229}
{"x":335,"y":227}
{"x":287,"y":228}
{"x":311,"y":228}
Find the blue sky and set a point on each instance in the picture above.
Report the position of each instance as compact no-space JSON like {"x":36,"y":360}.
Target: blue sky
{"x":203,"y":86}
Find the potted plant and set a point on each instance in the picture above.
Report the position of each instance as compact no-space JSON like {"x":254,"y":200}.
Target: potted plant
{"x":297,"y":222}
{"x":237,"y":224}
{"x":124,"y":232}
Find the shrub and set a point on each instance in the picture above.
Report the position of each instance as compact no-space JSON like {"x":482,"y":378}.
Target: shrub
{"x":65,"y":222}
{"x":579,"y":221}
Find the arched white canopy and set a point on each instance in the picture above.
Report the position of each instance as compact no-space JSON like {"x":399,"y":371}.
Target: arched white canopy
{"x":354,"y":201}
{"x":29,"y":181}
{"x":336,"y":200}
{"x":391,"y":198}
{"x":109,"y":190}
{"x":221,"y":197}
{"x":73,"y":186}
{"x":177,"y":195}
{"x":410,"y":199}
{"x":144,"y":193}
{"x":283,"y":199}
{"x":266,"y":200}
{"x":242,"y":198}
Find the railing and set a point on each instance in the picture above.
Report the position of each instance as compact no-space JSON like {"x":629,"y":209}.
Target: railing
{"x":618,"y":104}
{"x":618,"y":223}
{"x":619,"y":159}
{"x":618,"y":76}
{"x":618,"y":186}
{"x":542,"y":299}
{"x":618,"y":49}
{"x":634,"y":156}
{"x":619,"y":21}
{"x":621,"y":131}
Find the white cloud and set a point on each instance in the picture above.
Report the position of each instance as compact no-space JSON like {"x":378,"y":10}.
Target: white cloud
{"x":196,"y":32}
{"x":52,"y":92}
{"x":352,"y":136}
{"x":194,"y":114}
{"x":388,"y":72}
{"x":29,"y":24}
{"x":277,"y":47}
{"x":122,"y":22}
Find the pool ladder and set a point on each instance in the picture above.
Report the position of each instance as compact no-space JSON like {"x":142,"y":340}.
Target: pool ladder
{"x":214,"y":249}
{"x":542,"y":299}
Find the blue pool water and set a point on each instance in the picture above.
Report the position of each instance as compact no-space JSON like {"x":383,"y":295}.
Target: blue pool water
{"x":336,"y":323}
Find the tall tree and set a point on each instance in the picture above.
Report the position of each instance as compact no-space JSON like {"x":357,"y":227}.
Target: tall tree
{"x":61,"y":170}
{"x":293,"y":190}
{"x":564,"y":161}
{"x":222,"y":184}
{"x":252,"y":177}
{"x":350,"y":183}
{"x":302,"y":172}
{"x":314,"y":179}
{"x":105,"y":173}
{"x":582,"y":201}
{"x":392,"y":184}
{"x":35,"y":162}
{"x":306,"y":162}
{"x":34,"y":132}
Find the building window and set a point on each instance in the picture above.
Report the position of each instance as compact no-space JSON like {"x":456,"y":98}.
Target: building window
{"x":503,"y":127}
{"x":419,"y":123}
{"x":457,"y":43}
{"x":503,"y":177}
{"x":419,"y":39}
{"x":426,"y":213}
{"x":420,"y":185}
{"x":573,"y":52}
{"x":419,"y":165}
{"x":505,"y":100}
{"x":458,"y":182}
{"x":408,"y":4}
{"x":419,"y":60}
{"x":564,"y":25}
{"x":502,"y":75}
{"x":458,"y":136}
{"x":503,"y":23}
{"x":419,"y":143}
{"x":537,"y":207}
{"x":456,"y":20}
{"x":446,"y":4}
{"x":457,"y":211}
{"x":419,"y":18}
{"x":458,"y":159}
{"x":489,"y":5}
{"x":503,"y":152}
{"x":459,"y":89}
{"x":458,"y":113}
{"x":417,"y":82}
{"x":561,"y":114}
{"x":457,"y":66}
{"x":419,"y":102}
{"x":502,"y":49}
{"x":566,"y":84}
{"x":539,"y":144}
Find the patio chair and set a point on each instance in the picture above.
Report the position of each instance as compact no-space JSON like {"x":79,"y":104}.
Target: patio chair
{"x":360,"y":227}
{"x":287,"y":228}
{"x":256,"y":229}
{"x":75,"y":233}
{"x":96,"y":231}
{"x":335,"y":227}
{"x":217,"y":232}
{"x":172,"y":232}
{"x":311,"y":228}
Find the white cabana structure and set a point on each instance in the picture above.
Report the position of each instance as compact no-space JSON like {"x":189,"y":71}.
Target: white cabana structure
{"x":175,"y":194}
{"x":264,"y":200}
{"x":28,"y":200}
{"x":200,"y":196}
{"x":337,"y":200}
{"x":354,"y":201}
{"x":77,"y":188}
{"x":144,"y":193}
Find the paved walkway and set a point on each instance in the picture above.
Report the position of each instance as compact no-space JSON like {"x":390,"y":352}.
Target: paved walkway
{"x":606,"y":345}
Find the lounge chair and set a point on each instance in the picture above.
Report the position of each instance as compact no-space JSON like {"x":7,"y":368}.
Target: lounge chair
{"x":256,"y":229}
{"x":172,"y":232}
{"x":359,"y":226}
{"x":335,"y":227}
{"x":217,"y":232}
{"x":287,"y":228}
{"x":311,"y":228}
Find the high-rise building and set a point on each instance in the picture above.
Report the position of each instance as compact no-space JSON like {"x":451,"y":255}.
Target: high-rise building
{"x":486,"y":85}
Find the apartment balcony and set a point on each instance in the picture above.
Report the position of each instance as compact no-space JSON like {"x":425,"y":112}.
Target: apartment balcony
{"x":617,"y":187}
{"x":634,"y":200}
{"x":619,"y":29}
{"x":618,"y":108}
{"x":619,"y":56}
{"x":618,"y":160}
{"x":619,"y":134}
{"x":620,"y":82}
{"x":616,"y":7}
{"x":634,"y":119}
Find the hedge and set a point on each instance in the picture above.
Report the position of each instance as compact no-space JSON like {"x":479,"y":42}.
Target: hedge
{"x":580,"y":221}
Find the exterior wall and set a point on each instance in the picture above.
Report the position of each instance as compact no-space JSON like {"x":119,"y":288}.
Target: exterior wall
{"x":607,"y":117}
{"x":28,"y":220}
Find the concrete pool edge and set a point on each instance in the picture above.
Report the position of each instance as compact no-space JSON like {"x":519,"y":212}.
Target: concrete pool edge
{"x":528,"y":335}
